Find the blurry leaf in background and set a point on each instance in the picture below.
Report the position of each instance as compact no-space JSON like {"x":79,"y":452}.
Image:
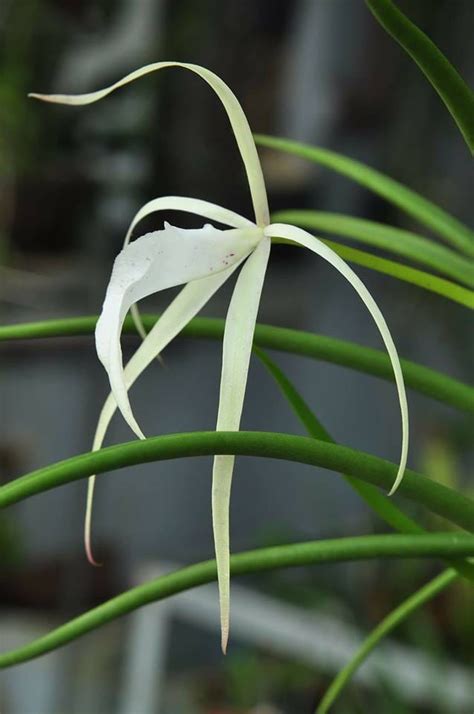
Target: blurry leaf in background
{"x":11,"y":545}
{"x":387,"y":625}
{"x":443,"y":457}
{"x":424,"y":211}
{"x":17,"y":126}
{"x":441,"y":460}
{"x":17,"y":131}
{"x":457,"y":96}
{"x":389,"y":238}
{"x":427,"y":281}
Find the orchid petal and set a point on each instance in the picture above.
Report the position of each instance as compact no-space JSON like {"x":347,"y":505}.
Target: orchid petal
{"x":280,"y":230}
{"x":177,"y":315}
{"x":237,"y":118}
{"x":205,"y":209}
{"x":154,"y":262}
{"x":237,"y":347}
{"x":181,"y":310}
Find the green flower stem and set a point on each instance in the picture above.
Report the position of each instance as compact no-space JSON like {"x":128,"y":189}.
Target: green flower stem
{"x":328,"y":551}
{"x":407,"y":200}
{"x":388,"y":624}
{"x":427,"y":281}
{"x":440,"y":499}
{"x":450,"y":86}
{"x":373,"y":497}
{"x":380,"y":235}
{"x":422,"y":379}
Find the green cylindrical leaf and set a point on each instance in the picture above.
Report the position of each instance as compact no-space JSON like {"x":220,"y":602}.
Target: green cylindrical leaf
{"x":443,"y":287}
{"x":450,"y":86}
{"x":427,"y":281}
{"x":409,"y":201}
{"x":344,"y":549}
{"x":388,"y":624}
{"x":396,"y":240}
{"x":434,"y":496}
{"x":422,"y":379}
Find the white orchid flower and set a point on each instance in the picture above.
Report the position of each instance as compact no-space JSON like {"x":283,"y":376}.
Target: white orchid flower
{"x":203,"y":259}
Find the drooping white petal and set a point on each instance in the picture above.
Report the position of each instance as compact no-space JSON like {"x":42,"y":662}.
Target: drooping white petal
{"x":181,"y":310}
{"x":237,"y":347}
{"x":185,"y":306}
{"x":154,"y":262}
{"x":237,"y":118}
{"x":280,"y":230}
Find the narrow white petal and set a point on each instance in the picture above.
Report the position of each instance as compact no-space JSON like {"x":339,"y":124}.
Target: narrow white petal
{"x":237,"y":347}
{"x":137,"y":321}
{"x":280,"y":230}
{"x":237,"y":118}
{"x":154,"y":262}
{"x":184,"y":307}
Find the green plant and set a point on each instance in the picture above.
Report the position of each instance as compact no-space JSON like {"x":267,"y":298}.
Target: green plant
{"x":204,"y":259}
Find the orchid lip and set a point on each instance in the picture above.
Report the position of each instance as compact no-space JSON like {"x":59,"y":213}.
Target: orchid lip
{"x":154,"y":262}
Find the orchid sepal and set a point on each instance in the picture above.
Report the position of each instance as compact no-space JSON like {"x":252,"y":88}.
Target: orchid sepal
{"x":307,"y":240}
{"x":154,"y":262}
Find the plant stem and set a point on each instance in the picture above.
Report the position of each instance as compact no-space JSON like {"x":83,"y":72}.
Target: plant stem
{"x":446,"y":288}
{"x":389,"y":623}
{"x":347,"y":354}
{"x":450,"y":86}
{"x":405,"y":243}
{"x":424,"y":211}
{"x":440,"y":499}
{"x":343,"y":549}
{"x":427,"y":281}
